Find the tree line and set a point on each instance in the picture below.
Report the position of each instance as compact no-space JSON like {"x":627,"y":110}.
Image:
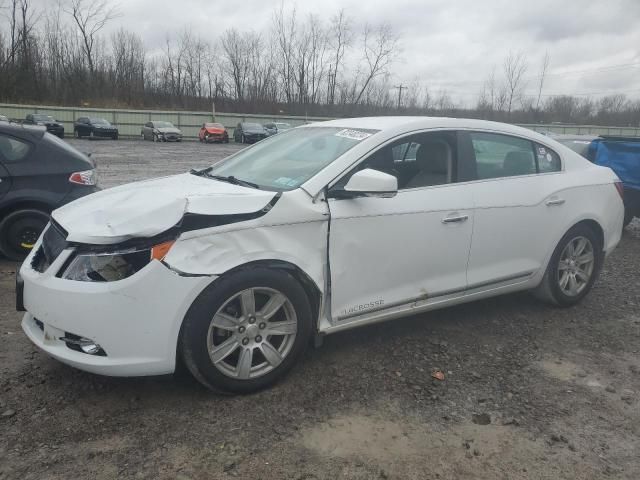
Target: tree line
{"x":299,"y":65}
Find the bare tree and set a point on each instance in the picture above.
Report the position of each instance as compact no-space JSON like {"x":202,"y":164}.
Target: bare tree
{"x":285,"y":32}
{"x":236,"y":50}
{"x":515,"y":66}
{"x":543,"y":73}
{"x":380,"y":46}
{"x":90,"y":17}
{"x":341,"y":35}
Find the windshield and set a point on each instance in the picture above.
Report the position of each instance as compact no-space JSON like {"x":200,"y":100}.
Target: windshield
{"x":98,"y":121}
{"x":286,"y":161}
{"x":163,"y":125}
{"x":252,"y":125}
{"x":43,"y":118}
{"x":213,"y":125}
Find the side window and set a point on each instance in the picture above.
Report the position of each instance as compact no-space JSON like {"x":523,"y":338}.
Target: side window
{"x":548,"y":160}
{"x":420,"y":160}
{"x":12,"y":149}
{"x":502,"y":155}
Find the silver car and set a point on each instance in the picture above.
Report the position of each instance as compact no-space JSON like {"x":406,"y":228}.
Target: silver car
{"x":161,"y":132}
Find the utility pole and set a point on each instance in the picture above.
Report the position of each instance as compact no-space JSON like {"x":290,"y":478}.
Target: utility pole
{"x":399,"y":88}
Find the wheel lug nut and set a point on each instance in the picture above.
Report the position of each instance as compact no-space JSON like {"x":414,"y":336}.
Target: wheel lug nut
{"x":262,"y":326}
{"x":258,"y":338}
{"x":245,"y":341}
{"x":252,"y":319}
{"x":241,"y":329}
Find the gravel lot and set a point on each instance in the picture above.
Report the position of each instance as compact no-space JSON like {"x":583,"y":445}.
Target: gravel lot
{"x":530,"y":391}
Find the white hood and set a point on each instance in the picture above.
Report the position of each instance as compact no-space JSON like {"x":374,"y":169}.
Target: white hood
{"x":148,"y":208}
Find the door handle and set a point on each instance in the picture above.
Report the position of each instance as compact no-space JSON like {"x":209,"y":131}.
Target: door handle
{"x":555,"y":201}
{"x":455,"y":219}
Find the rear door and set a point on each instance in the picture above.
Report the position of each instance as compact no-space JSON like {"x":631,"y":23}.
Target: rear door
{"x":520,"y":207}
{"x":39,"y":171}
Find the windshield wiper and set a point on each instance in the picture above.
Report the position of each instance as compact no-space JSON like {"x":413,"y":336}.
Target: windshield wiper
{"x":200,"y":173}
{"x":233,"y":180}
{"x":229,"y":179}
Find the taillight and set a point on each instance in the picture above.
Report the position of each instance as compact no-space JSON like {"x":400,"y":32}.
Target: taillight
{"x":620,"y":188}
{"x":86,"y":177}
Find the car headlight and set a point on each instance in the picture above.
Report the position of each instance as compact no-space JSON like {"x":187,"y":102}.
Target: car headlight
{"x":113,"y":266}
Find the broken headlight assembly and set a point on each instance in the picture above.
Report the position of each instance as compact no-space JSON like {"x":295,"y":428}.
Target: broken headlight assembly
{"x":115,"y":265}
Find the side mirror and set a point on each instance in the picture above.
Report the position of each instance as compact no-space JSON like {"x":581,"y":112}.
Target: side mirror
{"x":370,"y":183}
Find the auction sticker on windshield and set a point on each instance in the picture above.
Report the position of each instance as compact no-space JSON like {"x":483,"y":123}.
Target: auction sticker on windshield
{"x":353,"y":134}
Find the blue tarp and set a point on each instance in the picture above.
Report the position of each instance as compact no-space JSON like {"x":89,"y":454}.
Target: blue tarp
{"x":623,"y":157}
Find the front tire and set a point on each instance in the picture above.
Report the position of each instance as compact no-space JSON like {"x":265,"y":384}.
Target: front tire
{"x":573,"y":268}
{"x":246,"y":330}
{"x":19,"y":231}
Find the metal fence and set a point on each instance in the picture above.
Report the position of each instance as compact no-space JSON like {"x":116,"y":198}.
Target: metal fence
{"x":129,"y":122}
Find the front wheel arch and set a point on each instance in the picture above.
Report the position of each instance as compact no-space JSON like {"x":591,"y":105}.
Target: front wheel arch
{"x":314,"y":294}
{"x":189,"y":351}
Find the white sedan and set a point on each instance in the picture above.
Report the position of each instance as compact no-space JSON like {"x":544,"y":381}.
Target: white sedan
{"x":233,"y":269}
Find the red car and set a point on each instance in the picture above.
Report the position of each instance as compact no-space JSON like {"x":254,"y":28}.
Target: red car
{"x":213,"y":132}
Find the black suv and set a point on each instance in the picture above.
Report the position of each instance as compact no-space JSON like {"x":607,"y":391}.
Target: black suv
{"x":53,"y":126}
{"x":94,"y":127}
{"x":38,"y":173}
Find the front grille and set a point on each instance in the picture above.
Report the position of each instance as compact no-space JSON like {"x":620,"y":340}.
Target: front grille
{"x":53,"y":243}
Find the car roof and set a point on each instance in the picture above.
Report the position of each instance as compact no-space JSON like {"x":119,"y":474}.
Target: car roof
{"x":409,"y":123}
{"x":24,"y":131}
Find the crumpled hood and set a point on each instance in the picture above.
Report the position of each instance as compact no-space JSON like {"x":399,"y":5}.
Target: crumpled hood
{"x":148,"y":208}
{"x":169,"y":130}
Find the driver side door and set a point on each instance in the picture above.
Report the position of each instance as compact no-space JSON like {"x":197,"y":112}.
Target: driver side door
{"x":386,"y":253}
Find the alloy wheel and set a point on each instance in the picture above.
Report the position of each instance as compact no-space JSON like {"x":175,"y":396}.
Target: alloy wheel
{"x":252,"y":333}
{"x":576,"y":266}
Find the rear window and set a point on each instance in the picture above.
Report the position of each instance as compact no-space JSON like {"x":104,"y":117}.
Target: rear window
{"x":61,"y":144}
{"x":13,"y":149}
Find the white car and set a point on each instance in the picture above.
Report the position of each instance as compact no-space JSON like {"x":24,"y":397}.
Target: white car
{"x":235,"y":268}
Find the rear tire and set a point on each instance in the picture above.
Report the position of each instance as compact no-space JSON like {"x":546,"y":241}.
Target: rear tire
{"x":219,"y":320}
{"x":19,"y":231}
{"x":569,"y":277}
{"x":628,"y":217}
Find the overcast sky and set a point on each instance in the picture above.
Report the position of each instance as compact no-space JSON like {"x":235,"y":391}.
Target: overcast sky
{"x":447,"y":44}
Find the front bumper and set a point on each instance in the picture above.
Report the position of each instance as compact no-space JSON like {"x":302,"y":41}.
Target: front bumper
{"x":56,"y":130}
{"x":254,"y":138}
{"x":136,"y":321}
{"x":107,"y":133}
{"x":170,"y":137}
{"x":215,"y":137}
